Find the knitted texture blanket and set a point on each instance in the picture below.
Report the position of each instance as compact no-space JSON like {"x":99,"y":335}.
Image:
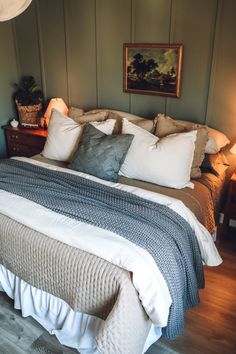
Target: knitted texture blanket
{"x":162,"y":232}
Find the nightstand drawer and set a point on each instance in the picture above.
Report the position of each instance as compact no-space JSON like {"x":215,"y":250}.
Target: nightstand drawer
{"x":23,"y":150}
{"x":23,"y":139}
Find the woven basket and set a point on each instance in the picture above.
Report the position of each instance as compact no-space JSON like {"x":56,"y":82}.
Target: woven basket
{"x":29,"y":115}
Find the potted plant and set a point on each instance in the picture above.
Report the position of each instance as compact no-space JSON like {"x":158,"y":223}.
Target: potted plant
{"x":28,"y":98}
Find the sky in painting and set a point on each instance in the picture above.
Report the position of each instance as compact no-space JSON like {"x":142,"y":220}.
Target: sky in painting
{"x":166,"y":58}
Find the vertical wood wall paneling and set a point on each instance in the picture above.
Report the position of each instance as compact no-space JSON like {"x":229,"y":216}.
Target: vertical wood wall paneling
{"x":222,"y":95}
{"x":113,"y":29}
{"x":27,"y":43}
{"x":193,"y":27}
{"x":54,"y":48}
{"x":81,"y":52}
{"x":151,"y":25}
{"x":9,"y":75}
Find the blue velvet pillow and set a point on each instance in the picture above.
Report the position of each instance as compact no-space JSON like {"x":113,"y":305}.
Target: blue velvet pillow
{"x":99,"y":154}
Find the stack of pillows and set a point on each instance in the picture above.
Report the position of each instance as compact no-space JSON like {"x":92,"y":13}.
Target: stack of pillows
{"x":108,"y":143}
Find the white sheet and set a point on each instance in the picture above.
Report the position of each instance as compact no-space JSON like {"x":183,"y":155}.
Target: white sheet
{"x":147,"y":279}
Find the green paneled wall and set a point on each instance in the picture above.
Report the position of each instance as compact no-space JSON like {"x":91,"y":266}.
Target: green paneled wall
{"x":81,"y":52}
{"x":8,"y":75}
{"x":193,"y":25}
{"x":222,"y":96}
{"x":74,"y":48}
{"x":151,"y":24}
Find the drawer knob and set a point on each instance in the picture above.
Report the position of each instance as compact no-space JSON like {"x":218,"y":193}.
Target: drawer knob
{"x":14,"y":136}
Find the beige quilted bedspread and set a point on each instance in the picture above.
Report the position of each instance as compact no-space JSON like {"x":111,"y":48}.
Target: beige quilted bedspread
{"x":86,"y":282}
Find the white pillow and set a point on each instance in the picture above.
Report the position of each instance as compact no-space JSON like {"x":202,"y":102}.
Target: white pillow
{"x":106,"y":126}
{"x":166,"y":161}
{"x":63,"y":137}
{"x":216,"y":141}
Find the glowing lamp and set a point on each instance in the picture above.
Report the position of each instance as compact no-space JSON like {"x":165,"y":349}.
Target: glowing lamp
{"x":58,"y":104}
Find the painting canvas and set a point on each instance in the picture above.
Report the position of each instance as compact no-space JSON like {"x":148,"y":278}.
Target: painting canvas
{"x":153,"y":69}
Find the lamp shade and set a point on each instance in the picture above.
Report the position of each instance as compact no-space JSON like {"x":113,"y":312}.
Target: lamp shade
{"x":57,"y":103}
{"x":12,"y":8}
{"x":233,"y":149}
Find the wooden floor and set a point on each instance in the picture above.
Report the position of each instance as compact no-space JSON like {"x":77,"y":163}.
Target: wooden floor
{"x":210,"y":328}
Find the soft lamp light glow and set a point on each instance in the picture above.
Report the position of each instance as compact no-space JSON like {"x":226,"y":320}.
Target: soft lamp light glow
{"x":57,"y":103}
{"x":233,"y":149}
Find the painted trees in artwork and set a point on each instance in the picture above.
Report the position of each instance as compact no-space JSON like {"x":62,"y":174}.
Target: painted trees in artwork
{"x":146,"y":73}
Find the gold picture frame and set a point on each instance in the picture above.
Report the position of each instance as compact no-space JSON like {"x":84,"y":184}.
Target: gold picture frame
{"x":153,"y":69}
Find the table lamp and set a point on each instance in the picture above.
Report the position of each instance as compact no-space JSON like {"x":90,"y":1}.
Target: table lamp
{"x":56,"y":103}
{"x":12,"y":8}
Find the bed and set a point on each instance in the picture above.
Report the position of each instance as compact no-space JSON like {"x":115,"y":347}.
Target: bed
{"x":99,"y":292}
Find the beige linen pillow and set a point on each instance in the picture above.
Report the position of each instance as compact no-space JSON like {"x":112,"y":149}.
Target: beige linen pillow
{"x":147,"y":124}
{"x":199,"y":151}
{"x":103,"y":114}
{"x":75,"y":112}
{"x":166,"y":126}
{"x":91,"y":117}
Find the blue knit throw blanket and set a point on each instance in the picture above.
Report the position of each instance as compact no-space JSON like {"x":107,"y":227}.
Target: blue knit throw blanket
{"x":154,"y":227}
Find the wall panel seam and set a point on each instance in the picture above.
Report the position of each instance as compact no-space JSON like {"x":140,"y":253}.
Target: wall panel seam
{"x":132,"y":39}
{"x":214,"y":56}
{"x":16,"y":49}
{"x":40,"y":48}
{"x":171,"y":39}
{"x":66,"y":36}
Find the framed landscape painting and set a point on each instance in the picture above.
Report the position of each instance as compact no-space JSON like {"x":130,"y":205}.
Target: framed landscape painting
{"x":153,"y":69}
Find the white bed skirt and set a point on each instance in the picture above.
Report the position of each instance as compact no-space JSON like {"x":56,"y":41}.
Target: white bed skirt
{"x":73,"y":329}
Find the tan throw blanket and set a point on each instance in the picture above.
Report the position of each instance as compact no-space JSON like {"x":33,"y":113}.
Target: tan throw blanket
{"x":86,"y":282}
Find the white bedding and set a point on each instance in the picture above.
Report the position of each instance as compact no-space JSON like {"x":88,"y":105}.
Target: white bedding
{"x":147,"y":279}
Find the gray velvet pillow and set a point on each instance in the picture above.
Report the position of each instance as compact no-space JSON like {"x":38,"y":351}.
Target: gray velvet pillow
{"x":99,"y":154}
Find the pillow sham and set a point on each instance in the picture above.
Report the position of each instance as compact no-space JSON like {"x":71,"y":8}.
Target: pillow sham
{"x":99,"y":154}
{"x":91,"y":117}
{"x":75,"y":112}
{"x":129,"y":116}
{"x":199,"y":151}
{"x":166,"y":161}
{"x":147,"y":124}
{"x":166,"y":125}
{"x":63,"y":137}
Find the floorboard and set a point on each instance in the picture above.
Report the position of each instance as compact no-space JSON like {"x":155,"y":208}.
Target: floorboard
{"x":210,"y":328}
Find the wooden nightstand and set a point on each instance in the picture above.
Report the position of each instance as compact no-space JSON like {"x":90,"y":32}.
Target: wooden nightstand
{"x":24,"y":142}
{"x":230,"y":207}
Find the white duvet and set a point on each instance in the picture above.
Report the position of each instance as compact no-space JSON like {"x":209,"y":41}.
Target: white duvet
{"x":147,"y":279}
